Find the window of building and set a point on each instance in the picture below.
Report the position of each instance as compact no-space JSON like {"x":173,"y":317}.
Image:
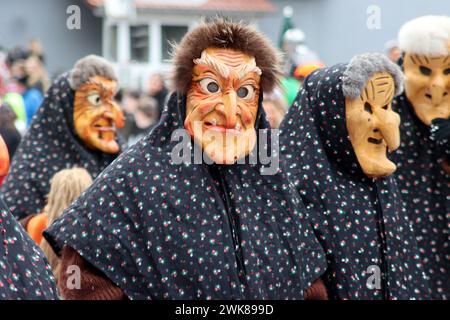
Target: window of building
{"x":112,"y":43}
{"x":171,"y":34}
{"x":139,"y":43}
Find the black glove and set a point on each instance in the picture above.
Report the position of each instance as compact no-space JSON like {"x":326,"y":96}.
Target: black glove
{"x":440,"y":133}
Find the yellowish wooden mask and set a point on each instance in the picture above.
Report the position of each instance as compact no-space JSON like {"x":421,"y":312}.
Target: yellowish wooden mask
{"x":222,"y":104}
{"x":374,"y":128}
{"x":427,"y":85}
{"x":97,"y":115}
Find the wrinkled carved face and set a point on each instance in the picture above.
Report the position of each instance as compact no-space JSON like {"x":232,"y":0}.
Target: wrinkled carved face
{"x":97,"y":115}
{"x":373,"y":126}
{"x":222,"y":104}
{"x":427,"y":86}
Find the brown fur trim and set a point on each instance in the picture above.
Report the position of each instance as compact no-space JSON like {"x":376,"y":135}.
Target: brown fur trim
{"x":221,"y":33}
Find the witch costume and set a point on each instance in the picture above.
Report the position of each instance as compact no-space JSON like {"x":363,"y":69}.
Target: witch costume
{"x":425,"y":187}
{"x":159,"y":230}
{"x":24,"y":271}
{"x":360,"y":222}
{"x":49,"y":146}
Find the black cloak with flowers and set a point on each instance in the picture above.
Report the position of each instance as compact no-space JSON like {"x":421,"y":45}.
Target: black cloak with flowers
{"x":361,"y":222}
{"x":24,"y":271}
{"x":161,"y":230}
{"x":50,"y":145}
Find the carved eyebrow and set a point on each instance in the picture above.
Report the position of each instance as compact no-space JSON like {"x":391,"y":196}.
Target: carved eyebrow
{"x":223,"y":69}
{"x":418,"y":58}
{"x":100,"y":84}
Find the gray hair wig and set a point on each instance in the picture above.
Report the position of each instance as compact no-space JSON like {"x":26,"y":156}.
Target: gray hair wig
{"x":88,"y":67}
{"x":362,"y":67}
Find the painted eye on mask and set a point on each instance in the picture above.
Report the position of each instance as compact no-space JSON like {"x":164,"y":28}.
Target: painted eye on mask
{"x":447,"y":71}
{"x":94,"y":98}
{"x":425,"y":71}
{"x":246,"y":92}
{"x":209,"y":85}
{"x":368,"y":107}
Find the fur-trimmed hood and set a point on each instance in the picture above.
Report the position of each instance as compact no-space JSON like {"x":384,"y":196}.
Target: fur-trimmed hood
{"x":221,"y":33}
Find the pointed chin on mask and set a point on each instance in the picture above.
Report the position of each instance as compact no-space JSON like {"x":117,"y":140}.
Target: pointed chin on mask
{"x":222,"y":104}
{"x":373,"y":127}
{"x":427,"y":86}
{"x":97,"y":116}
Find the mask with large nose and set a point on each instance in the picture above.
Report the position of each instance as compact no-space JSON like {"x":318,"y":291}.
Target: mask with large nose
{"x":97,"y":115}
{"x":427,"y":85}
{"x":374,"y":128}
{"x":222,"y":104}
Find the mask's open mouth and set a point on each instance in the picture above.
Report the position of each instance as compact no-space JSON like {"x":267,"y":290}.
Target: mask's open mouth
{"x":375,"y":141}
{"x":105,"y":128}
{"x":213,"y":126}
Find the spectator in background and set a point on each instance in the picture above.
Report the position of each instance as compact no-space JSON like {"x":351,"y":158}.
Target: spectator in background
{"x":129,"y":104}
{"x":36,"y":82}
{"x":36,"y":49}
{"x":15,"y":62}
{"x":146,"y":116}
{"x":66,"y":186}
{"x":275,"y":106}
{"x":8,"y":130}
{"x":392,"y":50}
{"x":37,"y":75}
{"x":157,"y":89}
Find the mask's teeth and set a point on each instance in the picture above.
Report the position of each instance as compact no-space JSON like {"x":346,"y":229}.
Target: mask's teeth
{"x":238,"y":126}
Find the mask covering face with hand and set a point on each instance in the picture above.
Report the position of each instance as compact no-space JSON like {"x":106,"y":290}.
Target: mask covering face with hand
{"x":374,"y":128}
{"x":97,"y":115}
{"x":222,"y":104}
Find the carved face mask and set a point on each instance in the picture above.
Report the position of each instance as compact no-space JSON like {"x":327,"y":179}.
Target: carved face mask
{"x":222,"y":104}
{"x":374,"y":128}
{"x":427,"y":86}
{"x":4,"y":160}
{"x":97,"y":115}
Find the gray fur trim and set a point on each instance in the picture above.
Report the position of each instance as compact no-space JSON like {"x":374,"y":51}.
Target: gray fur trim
{"x":362,"y":67}
{"x":88,"y":67}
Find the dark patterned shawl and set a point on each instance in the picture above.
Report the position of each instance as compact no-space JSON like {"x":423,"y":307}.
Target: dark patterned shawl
{"x":24,"y":271}
{"x":192,"y":231}
{"x":49,"y":146}
{"x":360,"y":222}
{"x":425,"y":187}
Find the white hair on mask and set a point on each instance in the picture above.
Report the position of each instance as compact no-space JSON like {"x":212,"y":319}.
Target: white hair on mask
{"x":427,"y":35}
